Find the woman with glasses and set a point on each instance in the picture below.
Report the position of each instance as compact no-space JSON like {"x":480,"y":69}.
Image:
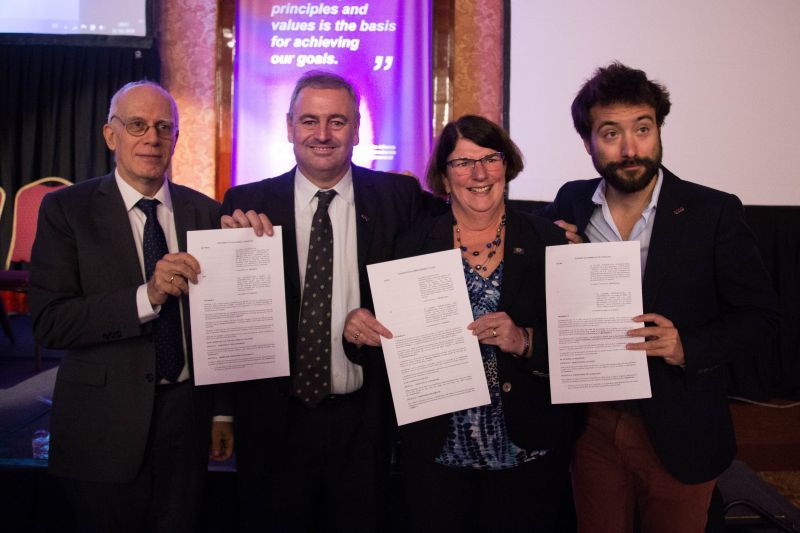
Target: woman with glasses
{"x":503,"y":466}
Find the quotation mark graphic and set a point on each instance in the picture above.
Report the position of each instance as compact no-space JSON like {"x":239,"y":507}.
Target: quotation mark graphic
{"x":383,"y":61}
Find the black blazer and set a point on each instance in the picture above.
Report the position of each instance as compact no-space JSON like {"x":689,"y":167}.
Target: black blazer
{"x":705,"y":274}
{"x":84,"y":275}
{"x":533,"y":422}
{"x":385,"y":204}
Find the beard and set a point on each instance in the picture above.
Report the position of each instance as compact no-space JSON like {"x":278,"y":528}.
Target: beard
{"x":625,"y":181}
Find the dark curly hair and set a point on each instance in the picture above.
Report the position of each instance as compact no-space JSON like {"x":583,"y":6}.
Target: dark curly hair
{"x":617,"y":84}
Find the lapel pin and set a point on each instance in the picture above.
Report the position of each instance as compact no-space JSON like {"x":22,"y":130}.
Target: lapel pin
{"x":678,"y":211}
{"x":364,"y":217}
{"x":519,"y":251}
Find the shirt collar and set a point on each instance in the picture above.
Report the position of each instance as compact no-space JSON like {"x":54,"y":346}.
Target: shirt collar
{"x":304,"y":190}
{"x":130,"y":195}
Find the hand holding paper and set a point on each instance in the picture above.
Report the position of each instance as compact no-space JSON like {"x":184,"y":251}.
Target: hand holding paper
{"x":661,"y":340}
{"x":499,"y":330}
{"x":433,"y":361}
{"x":238,"y":307}
{"x":362,"y":328}
{"x":593,"y":292}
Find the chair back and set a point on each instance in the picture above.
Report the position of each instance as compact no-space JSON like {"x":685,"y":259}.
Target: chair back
{"x":26,"y":214}
{"x":2,"y":200}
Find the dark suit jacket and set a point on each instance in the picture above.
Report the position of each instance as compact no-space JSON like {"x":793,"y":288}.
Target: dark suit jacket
{"x":84,"y":275}
{"x":705,"y":274}
{"x":533,"y":422}
{"x":385,"y":204}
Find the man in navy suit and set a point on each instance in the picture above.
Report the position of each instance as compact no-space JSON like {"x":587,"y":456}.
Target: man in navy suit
{"x":707,"y":300}
{"x":308,"y":466}
{"x":130,"y":432}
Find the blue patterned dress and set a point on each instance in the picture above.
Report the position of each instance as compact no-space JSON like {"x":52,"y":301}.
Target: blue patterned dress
{"x":478,"y":437}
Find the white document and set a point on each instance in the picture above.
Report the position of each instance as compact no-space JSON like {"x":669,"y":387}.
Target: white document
{"x":434,"y":362}
{"x":238,"y":306}
{"x":593,"y":292}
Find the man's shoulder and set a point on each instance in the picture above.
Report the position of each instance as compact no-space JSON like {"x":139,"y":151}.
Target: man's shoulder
{"x":265,"y":185}
{"x":194,"y":196}
{"x":578,"y":188}
{"x":568,"y":197}
{"x":549,"y":233}
{"x":81,"y":191}
{"x":690,"y":190}
{"x":381,"y":177}
{"x":399,"y":192}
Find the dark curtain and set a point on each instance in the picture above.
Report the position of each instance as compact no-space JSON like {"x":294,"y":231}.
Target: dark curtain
{"x":53,"y":103}
{"x":776,"y":371}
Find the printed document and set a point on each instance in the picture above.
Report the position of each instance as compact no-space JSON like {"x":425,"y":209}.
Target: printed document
{"x":593,"y":292}
{"x":433,"y":360}
{"x":238,"y":306}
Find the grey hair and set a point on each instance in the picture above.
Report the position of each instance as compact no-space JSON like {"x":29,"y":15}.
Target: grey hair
{"x":112,"y":108}
{"x":322,"y":79}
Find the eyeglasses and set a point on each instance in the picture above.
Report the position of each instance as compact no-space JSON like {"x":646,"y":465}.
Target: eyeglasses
{"x":465,"y":165}
{"x":138,"y":127}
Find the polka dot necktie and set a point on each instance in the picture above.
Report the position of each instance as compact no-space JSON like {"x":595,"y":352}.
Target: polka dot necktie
{"x":311,"y":376}
{"x":167,"y":327}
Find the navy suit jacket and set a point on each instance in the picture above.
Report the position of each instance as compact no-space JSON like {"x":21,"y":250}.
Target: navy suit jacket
{"x":84,"y":276}
{"x":533,"y":422}
{"x":705,"y":274}
{"x":385,"y":204}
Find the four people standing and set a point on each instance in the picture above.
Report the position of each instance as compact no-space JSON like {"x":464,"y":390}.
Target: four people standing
{"x":110,"y":285}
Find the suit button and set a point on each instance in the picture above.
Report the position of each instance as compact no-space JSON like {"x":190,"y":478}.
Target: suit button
{"x":149,"y":377}
{"x":506,"y":387}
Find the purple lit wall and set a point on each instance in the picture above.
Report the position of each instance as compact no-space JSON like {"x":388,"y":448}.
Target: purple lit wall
{"x":382,"y":47}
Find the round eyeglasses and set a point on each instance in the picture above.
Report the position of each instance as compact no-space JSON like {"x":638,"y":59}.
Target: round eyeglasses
{"x":138,"y":127}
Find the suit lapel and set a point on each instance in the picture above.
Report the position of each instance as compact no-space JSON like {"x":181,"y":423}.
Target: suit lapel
{"x":667,"y":229}
{"x":184,"y":214}
{"x":583,"y":206}
{"x":365,"y":200}
{"x":280,"y":207}
{"x":111,"y":220}
{"x":514,"y":272}
{"x":440,"y":237}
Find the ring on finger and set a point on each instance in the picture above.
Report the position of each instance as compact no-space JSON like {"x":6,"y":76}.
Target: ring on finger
{"x":494,"y":332}
{"x":172,"y":277}
{"x":356,"y":336}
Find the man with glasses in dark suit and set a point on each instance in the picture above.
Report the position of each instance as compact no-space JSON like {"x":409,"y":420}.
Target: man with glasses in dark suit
{"x":109,"y":284}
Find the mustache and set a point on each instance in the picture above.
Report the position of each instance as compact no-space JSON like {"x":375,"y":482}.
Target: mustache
{"x":618,"y":165}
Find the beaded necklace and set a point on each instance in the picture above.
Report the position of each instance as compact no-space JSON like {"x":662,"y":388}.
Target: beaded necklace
{"x":491,"y":245}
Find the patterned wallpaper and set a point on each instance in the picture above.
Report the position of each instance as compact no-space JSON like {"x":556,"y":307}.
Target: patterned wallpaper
{"x":478,"y":61}
{"x":187,"y":42}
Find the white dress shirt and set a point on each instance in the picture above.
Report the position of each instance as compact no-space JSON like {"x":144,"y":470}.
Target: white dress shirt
{"x":166,"y":218}
{"x":601,"y":227}
{"x":346,"y":376}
